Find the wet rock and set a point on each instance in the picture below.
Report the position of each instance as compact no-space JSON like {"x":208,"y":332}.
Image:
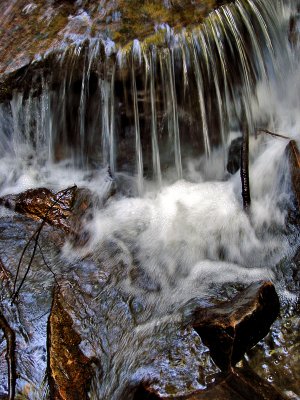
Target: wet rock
{"x":69,"y":371}
{"x":232,"y":328}
{"x":228,"y":330}
{"x":248,"y":385}
{"x":234,"y":155}
{"x":27,"y":316}
{"x":46,"y":26}
{"x":67,"y":209}
{"x":93,"y":317}
{"x":132,"y":345}
{"x":276,"y":358}
{"x":43,"y":204}
{"x":240,"y":384}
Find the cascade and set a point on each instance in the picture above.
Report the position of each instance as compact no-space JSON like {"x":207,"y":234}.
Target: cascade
{"x":147,"y":128}
{"x":96,"y":108}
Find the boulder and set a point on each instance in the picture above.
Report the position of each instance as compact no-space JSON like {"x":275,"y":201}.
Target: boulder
{"x":232,"y":328}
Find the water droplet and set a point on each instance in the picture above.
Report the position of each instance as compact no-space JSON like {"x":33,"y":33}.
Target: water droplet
{"x":270,"y":378}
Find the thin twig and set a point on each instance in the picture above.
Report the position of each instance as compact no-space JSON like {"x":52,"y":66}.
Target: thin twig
{"x":47,"y":265}
{"x":40,"y":316}
{"x":272,"y":133}
{"x":35,"y":236}
{"x":21,"y":258}
{"x":10,"y":337}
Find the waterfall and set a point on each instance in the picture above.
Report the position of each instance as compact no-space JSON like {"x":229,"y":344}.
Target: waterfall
{"x":151,"y":123}
{"x":201,"y":84}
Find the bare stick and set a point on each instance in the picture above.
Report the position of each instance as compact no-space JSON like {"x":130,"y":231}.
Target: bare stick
{"x":47,"y":265}
{"x":260,"y":130}
{"x":10,"y":337}
{"x":245,"y":169}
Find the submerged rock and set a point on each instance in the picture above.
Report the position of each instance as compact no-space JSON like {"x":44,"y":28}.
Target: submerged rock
{"x":276,"y":358}
{"x":240,"y":384}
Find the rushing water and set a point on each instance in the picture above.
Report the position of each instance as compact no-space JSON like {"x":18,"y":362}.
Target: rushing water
{"x":155,"y":121}
{"x":149,"y":107}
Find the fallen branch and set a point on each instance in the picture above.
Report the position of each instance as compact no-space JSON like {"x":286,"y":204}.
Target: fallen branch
{"x":35,"y":236}
{"x":10,"y":338}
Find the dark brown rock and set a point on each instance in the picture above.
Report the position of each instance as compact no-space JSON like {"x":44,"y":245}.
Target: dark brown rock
{"x":43,"y":204}
{"x":69,"y":371}
{"x":232,"y":328}
{"x":65,"y":209}
{"x":249,"y":385}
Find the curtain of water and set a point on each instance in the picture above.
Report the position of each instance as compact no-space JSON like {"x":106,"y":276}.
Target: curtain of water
{"x":200,"y":88}
{"x":200,"y":84}
{"x":155,"y":147}
{"x":138,"y":145}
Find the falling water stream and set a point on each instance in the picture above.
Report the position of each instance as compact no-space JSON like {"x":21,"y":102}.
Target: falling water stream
{"x":154,"y":122}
